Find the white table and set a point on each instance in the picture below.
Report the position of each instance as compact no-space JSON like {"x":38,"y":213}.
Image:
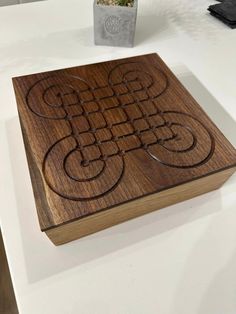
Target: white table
{"x":180,"y":260}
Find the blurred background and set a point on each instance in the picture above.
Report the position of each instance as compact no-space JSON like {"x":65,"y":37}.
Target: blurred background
{"x":10,"y":2}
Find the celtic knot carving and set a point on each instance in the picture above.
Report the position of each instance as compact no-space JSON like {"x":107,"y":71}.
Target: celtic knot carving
{"x":108,"y":122}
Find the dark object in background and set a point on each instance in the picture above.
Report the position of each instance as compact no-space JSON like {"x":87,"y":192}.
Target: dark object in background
{"x":225,"y":11}
{"x":7,"y":296}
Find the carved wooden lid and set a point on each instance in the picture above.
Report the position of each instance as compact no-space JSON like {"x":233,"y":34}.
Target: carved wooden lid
{"x":104,"y":134}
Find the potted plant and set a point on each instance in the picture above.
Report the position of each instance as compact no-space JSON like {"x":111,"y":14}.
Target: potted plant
{"x":115,"y":22}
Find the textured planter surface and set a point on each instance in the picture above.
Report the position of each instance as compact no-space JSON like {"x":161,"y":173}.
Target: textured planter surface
{"x":114,"y":25}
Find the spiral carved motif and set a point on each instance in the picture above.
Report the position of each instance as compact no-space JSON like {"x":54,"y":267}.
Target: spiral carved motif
{"x":166,"y":136}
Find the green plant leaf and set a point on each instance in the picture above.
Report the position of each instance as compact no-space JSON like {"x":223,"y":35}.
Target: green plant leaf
{"x":123,"y":2}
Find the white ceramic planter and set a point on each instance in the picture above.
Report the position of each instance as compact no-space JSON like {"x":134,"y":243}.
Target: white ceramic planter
{"x":115,"y":25}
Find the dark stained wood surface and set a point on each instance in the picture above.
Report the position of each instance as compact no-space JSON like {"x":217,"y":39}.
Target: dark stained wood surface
{"x":101,"y":135}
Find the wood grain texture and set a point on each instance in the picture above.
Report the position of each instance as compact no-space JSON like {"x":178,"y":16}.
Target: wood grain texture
{"x":116,"y":215}
{"x":102,"y":135}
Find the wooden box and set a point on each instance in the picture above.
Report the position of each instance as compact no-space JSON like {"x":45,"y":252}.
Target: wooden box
{"x":111,"y":141}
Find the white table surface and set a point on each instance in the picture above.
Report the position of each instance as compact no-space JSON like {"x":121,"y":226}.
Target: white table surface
{"x":180,"y":260}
